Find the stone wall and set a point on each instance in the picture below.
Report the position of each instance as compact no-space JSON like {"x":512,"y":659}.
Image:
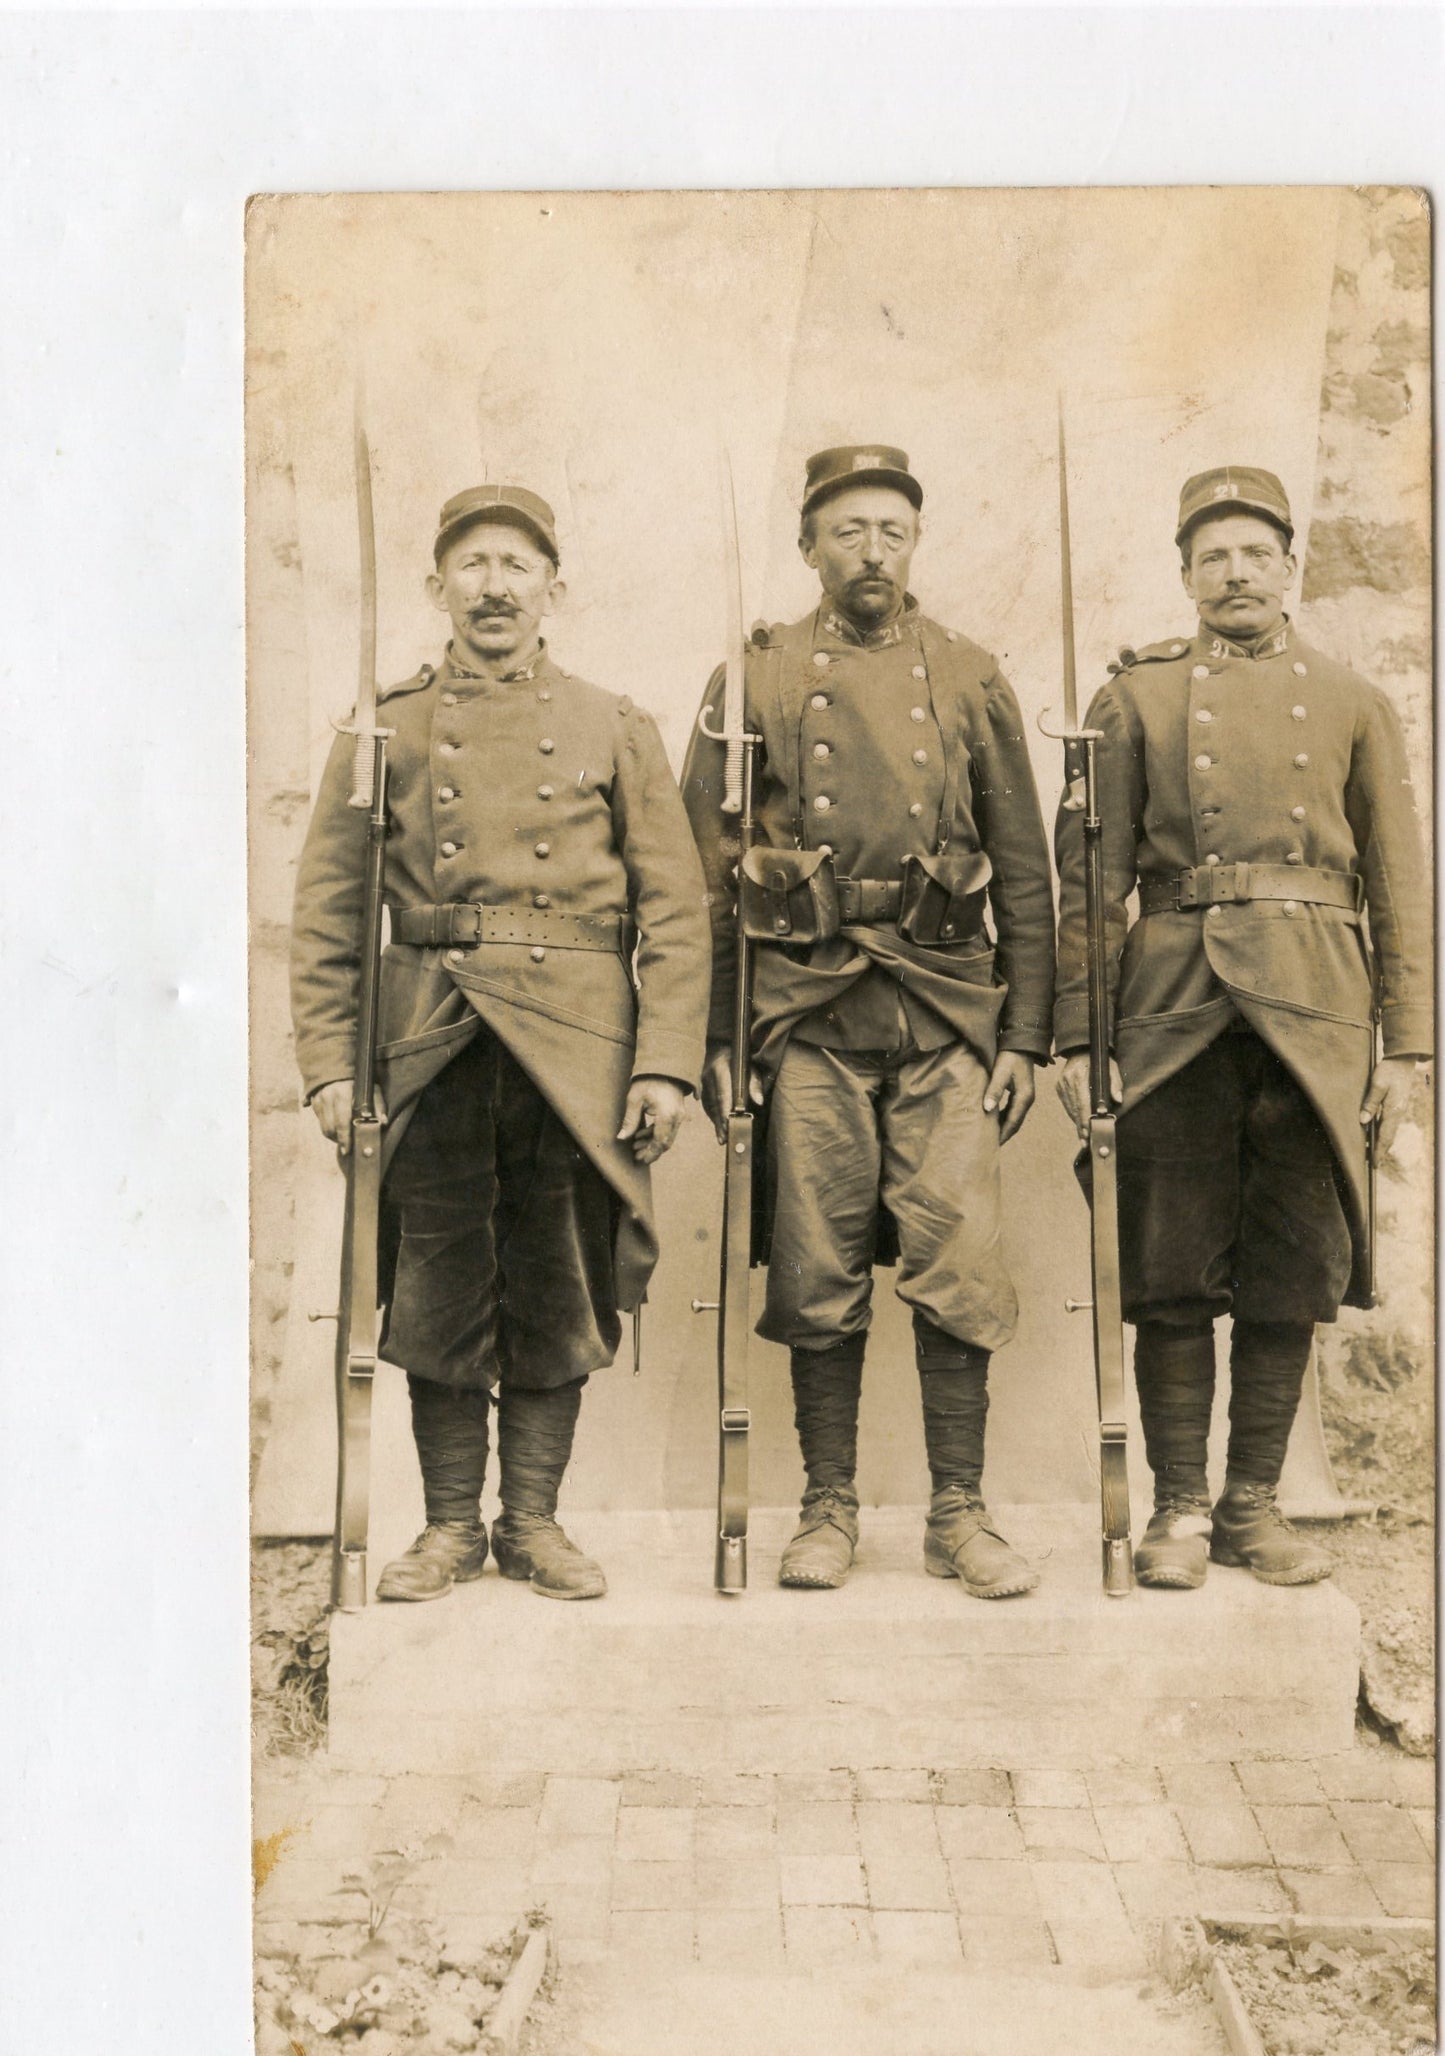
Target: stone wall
{"x":1367,"y":599}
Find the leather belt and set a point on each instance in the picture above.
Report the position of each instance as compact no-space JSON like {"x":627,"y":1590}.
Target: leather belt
{"x":869,"y":902}
{"x":466,"y":924}
{"x":1223,"y":885}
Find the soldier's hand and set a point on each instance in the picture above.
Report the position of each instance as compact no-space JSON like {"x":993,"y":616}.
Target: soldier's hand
{"x":651,"y":1117}
{"x":1391,"y":1083}
{"x":1073,"y":1089}
{"x":717,"y":1088}
{"x":1010,"y":1091}
{"x":332,"y":1108}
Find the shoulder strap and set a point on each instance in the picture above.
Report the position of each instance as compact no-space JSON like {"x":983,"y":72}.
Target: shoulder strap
{"x":782,"y":676}
{"x":941,"y":663}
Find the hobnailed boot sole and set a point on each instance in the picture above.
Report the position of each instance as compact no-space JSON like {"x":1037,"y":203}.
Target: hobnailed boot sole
{"x":1307,"y":1574}
{"x":938,"y":1562}
{"x":1168,"y":1577}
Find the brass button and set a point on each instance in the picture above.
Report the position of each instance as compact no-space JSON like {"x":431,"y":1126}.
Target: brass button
{"x":537,"y":954}
{"x":819,"y":701}
{"x":1203,"y":763}
{"x":916,"y":714}
{"x":1299,"y":670}
{"x":1204,"y":715}
{"x":446,"y":793}
{"x":951,"y":635}
{"x":1296,"y":813}
{"x":916,"y":809}
{"x":544,"y":792}
{"x":821,"y":750}
{"x":1200,"y":671}
{"x":822,"y":803}
{"x":920,"y":756}
{"x":1295,"y":857}
{"x":1176,"y":649}
{"x":1302,"y":759}
{"x":449,"y":699}
{"x":919,"y":672}
{"x":540,"y":899}
{"x":449,"y":849}
{"x":447,"y":749}
{"x":1212,"y":858}
{"x":1214,"y":913}
{"x":455,"y":955}
{"x":1298,"y":713}
{"x":546,"y":746}
{"x":1291,"y":906}
{"x":542,"y":849}
{"x":820,"y":658}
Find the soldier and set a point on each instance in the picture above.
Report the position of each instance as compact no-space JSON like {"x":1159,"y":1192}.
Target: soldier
{"x":1257,"y":795}
{"x":896,"y":1037}
{"x":537,"y":840}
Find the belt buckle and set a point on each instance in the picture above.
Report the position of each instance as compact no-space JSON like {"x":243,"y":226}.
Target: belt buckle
{"x":472,"y":941}
{"x":1230,"y":883}
{"x":872,"y":902}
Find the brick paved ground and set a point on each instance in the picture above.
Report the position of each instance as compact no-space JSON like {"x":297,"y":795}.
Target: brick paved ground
{"x":899,"y":1867}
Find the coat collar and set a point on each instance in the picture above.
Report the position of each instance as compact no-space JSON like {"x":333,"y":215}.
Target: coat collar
{"x":539,"y":662}
{"x":831,"y":622}
{"x":1268,"y":646}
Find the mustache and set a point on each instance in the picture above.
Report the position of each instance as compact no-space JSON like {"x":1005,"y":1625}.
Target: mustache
{"x":490,"y":609}
{"x":871,"y":578}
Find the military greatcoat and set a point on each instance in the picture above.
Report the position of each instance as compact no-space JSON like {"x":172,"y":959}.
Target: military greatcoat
{"x":1216,"y":758}
{"x":539,"y":794}
{"x":883,"y":751}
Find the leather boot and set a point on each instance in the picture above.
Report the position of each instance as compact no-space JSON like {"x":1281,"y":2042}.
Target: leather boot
{"x":1251,"y":1533}
{"x":535,"y":1437}
{"x":960,"y":1542}
{"x":444,"y":1554}
{"x":821,"y":1551}
{"x":531,"y":1546}
{"x":1174,"y":1550}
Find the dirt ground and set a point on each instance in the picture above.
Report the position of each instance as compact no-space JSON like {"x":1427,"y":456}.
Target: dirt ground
{"x":290,"y":1590}
{"x":1311,"y":2000}
{"x":1378,"y":1403}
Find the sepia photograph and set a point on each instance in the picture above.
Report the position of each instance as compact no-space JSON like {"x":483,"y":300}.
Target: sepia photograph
{"x":840,"y":854}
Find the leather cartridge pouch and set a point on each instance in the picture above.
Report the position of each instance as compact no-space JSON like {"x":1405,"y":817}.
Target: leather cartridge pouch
{"x":943,"y":896}
{"x":788,"y":895}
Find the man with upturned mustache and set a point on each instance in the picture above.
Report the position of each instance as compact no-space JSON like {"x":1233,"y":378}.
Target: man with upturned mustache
{"x":1257,"y":796}
{"x":542,"y":1009}
{"x":896,"y":1036}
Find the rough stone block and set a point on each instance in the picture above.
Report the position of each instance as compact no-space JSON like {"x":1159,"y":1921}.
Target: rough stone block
{"x":812,"y":1787}
{"x":1077,"y":1891}
{"x":1002,"y":1939}
{"x":737,"y":1881}
{"x":1235,"y":1894}
{"x":732,"y":1831}
{"x":1414,"y":1778}
{"x":974,"y":1788}
{"x":1404,"y":1888}
{"x":1425,"y":1825}
{"x":735,"y":1788}
{"x":1280,"y":1784}
{"x":918,"y":1940}
{"x":827,"y":1937}
{"x":1357,"y":1774}
{"x":1202,"y":1784}
{"x":1223,"y":1835}
{"x":577,"y":1911}
{"x":1124,"y":1785}
{"x":745,"y":1940}
{"x":662,"y":1939}
{"x":825,"y":1827}
{"x":655,"y":1834}
{"x":1049,"y":1788}
{"x":652,"y":1887}
{"x":1141,"y":1834}
{"x":902,"y":1857}
{"x":475,"y":1886}
{"x":1304,"y":1837}
{"x":500,"y":1833}
{"x":1110,"y":1947}
{"x":821,"y":1881}
{"x":1064,"y":1834}
{"x":571,"y":1859}
{"x":914,"y":1786}
{"x":579,"y":1806}
{"x":1157,"y":1891}
{"x":983,"y":1886}
{"x":977,"y":1832}
{"x":1379,"y":1833}
{"x":658,"y":1788}
{"x":1335,"y":1894}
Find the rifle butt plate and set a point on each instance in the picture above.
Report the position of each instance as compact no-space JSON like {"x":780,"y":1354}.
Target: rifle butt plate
{"x":348,"y":1580}
{"x":730,"y":1566}
{"x":1118,"y":1567}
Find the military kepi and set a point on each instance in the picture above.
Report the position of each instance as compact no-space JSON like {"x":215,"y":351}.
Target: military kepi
{"x":496,"y":503}
{"x":1237,"y":485}
{"x":833,"y":471}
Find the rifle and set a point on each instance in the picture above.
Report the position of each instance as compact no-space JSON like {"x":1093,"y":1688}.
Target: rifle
{"x":730,"y":1565}
{"x":1082,"y":796}
{"x":356,"y":1321}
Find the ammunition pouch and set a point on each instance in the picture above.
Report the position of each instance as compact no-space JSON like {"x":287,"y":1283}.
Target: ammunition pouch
{"x":788,"y":895}
{"x":943,"y":896}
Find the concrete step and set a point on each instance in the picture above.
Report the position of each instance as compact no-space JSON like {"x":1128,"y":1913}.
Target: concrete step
{"x":897,"y":1668}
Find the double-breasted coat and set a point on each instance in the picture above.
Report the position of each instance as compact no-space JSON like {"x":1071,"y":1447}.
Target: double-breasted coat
{"x":1217,"y":756}
{"x":539,"y":792}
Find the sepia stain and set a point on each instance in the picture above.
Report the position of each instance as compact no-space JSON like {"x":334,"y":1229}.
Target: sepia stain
{"x":266,"y":1854}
